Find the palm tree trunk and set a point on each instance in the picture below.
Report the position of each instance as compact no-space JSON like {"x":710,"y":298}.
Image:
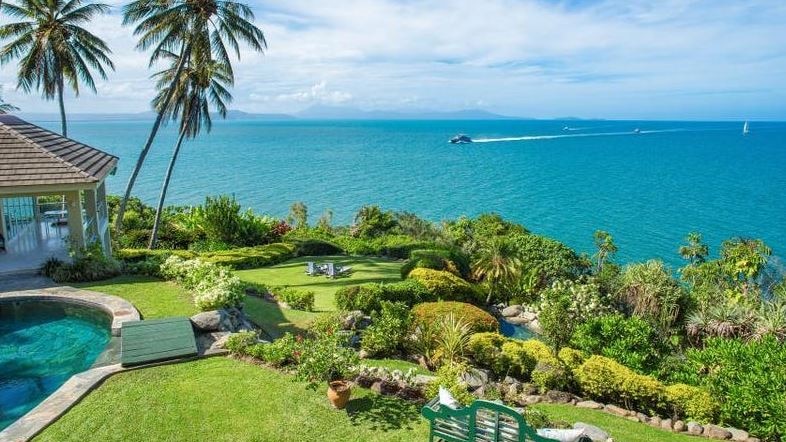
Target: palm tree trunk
{"x":63,"y":125}
{"x":160,"y":207}
{"x":491,"y":292}
{"x":121,"y":210}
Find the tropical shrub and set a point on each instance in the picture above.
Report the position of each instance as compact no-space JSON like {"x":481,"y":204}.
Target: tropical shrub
{"x":449,"y":377}
{"x":325,"y":357}
{"x":565,"y":305}
{"x":550,"y":260}
{"x":691,"y":402}
{"x":519,"y":359}
{"x":452,"y":339}
{"x":477,"y":319}
{"x":220,"y":219}
{"x":213,"y":286}
{"x":386,"y":333}
{"x":550,"y":374}
{"x":605,"y":379}
{"x":88,"y":264}
{"x":630,"y":341}
{"x":371,"y":221}
{"x":281,"y":352}
{"x":437,"y":259}
{"x":571,"y":357}
{"x":486,"y":350}
{"x":445,"y":286}
{"x":295,"y":299}
{"x":237,"y":343}
{"x":469,"y":233}
{"x":649,"y":291}
{"x":749,"y":379}
{"x":369,"y":297}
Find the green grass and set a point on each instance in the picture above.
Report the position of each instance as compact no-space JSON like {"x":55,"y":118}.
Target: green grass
{"x":276,"y":321}
{"x":221,"y":399}
{"x":153,"y":297}
{"x":292,"y":274}
{"x":618,"y":428}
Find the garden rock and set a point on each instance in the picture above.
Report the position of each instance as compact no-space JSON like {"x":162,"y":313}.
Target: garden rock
{"x":532,"y":399}
{"x":666,"y":424}
{"x":695,"y":428}
{"x":679,"y":426}
{"x":643,"y":417}
{"x":593,"y":432}
{"x":529,"y":316}
{"x":513,"y":310}
{"x":363,"y":354}
{"x":753,"y":439}
{"x":558,"y":397}
{"x":716,"y":432}
{"x":738,"y":435}
{"x":355,"y":320}
{"x":517,"y":320}
{"x":535,"y":326}
{"x":206,"y":321}
{"x":655,"y":421}
{"x":211,"y":342}
{"x":619,"y":411}
{"x":589,"y":404}
{"x":475,"y":378}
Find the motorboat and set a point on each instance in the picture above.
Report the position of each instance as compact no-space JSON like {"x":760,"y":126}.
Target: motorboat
{"x":461,"y":139}
{"x":637,"y":131}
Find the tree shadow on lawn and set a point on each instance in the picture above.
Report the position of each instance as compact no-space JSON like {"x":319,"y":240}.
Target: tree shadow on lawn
{"x":382,"y":413}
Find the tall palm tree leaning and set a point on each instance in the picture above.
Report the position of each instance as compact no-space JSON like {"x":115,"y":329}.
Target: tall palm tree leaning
{"x":53,"y":48}
{"x":171,"y":27}
{"x":202,"y":82}
{"x":498,"y":263}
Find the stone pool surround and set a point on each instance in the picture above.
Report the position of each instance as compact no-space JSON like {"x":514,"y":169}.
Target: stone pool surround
{"x":76,"y":387}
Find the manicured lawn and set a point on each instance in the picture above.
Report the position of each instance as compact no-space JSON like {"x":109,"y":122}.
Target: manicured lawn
{"x":618,"y":428}
{"x":292,"y":274}
{"x":153,"y":297}
{"x":221,"y":399}
{"x":276,"y":321}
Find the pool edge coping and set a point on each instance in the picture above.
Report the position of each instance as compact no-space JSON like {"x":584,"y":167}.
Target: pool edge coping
{"x":118,"y":308}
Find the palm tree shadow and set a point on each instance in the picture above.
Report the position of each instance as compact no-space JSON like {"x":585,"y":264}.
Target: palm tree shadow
{"x":382,"y":413}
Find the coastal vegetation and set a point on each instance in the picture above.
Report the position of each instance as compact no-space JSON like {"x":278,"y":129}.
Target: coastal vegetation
{"x":640,"y":335}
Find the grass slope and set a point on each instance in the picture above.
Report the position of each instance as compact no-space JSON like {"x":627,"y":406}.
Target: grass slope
{"x":292,"y":274}
{"x":153,"y":297}
{"x":221,"y":399}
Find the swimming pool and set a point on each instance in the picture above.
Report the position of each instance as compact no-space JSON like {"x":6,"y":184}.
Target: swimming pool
{"x":42,"y":344}
{"x":515,"y":331}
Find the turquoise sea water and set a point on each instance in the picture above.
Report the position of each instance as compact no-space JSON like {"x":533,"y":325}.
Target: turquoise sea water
{"x":42,"y":344}
{"x":649,"y":190}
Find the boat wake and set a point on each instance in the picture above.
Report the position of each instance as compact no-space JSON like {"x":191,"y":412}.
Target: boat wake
{"x":582,"y":135}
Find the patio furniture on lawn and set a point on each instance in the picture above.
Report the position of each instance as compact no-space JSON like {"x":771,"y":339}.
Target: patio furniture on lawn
{"x":334,"y":271}
{"x":312,"y":269}
{"x":486,"y":421}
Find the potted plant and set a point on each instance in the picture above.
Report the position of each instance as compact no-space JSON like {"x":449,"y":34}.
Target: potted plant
{"x":328,"y":358}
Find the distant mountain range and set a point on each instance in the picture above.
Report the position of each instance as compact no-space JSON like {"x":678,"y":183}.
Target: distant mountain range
{"x":318,"y":112}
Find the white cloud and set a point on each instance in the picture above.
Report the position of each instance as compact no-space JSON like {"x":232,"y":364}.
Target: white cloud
{"x":604,"y":58}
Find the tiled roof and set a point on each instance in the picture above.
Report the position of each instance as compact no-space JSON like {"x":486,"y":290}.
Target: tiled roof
{"x":31,"y":155}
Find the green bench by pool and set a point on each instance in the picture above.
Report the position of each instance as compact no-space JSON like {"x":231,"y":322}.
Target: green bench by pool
{"x":156,"y":340}
{"x":481,"y":421}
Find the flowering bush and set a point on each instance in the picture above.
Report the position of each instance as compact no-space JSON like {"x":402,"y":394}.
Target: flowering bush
{"x":213,"y":286}
{"x":566,"y":304}
{"x":324,"y":358}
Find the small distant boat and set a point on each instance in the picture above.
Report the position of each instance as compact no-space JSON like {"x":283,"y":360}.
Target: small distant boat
{"x":566,"y":128}
{"x":637,"y":131}
{"x":745,"y":128}
{"x":461,"y":139}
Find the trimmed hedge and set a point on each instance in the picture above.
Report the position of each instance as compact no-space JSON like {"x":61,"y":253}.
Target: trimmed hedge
{"x":437,"y":259}
{"x":479,"y":320}
{"x":605,"y":379}
{"x":315,"y":247}
{"x":369,"y":297}
{"x":239,"y":258}
{"x":445,"y":286}
{"x":692,"y":402}
{"x":392,"y":246}
{"x":486,"y":349}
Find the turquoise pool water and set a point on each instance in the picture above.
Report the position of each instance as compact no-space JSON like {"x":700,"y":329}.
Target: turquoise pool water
{"x":515,"y":331}
{"x":42,"y":344}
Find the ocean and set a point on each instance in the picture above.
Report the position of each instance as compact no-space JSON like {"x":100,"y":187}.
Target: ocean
{"x":564,"y":179}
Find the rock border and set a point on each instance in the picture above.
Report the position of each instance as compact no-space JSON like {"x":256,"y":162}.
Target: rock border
{"x":118,"y":308}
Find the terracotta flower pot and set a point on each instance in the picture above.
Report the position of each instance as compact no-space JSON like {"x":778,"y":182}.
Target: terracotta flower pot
{"x":338,"y":393}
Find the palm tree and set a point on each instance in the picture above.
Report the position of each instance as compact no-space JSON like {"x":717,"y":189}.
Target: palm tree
{"x":695,"y":250}
{"x":202,"y":82}
{"x":52,"y":47}
{"x":172,"y":26}
{"x":498,"y":263}
{"x":606,"y":247}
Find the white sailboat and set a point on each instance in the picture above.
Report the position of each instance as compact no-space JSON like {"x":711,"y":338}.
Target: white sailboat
{"x":745,"y":129}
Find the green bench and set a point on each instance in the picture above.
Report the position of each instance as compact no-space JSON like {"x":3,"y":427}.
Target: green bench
{"x":482,"y":421}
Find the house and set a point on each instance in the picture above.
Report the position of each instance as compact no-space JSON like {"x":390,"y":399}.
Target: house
{"x":52,"y":195}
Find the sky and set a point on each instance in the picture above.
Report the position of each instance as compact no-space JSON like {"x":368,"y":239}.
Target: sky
{"x":620,"y":59}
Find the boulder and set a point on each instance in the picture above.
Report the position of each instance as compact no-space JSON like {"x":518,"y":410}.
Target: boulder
{"x":679,"y":426}
{"x":475,"y":378}
{"x":211,"y":342}
{"x":206,"y":321}
{"x":529,"y":316}
{"x":355,"y":320}
{"x":694,"y":428}
{"x":753,"y":439}
{"x":593,"y":432}
{"x":654,"y":421}
{"x":532,"y":399}
{"x":643,"y":417}
{"x":517,"y":320}
{"x":534,"y":325}
{"x":716,"y":432}
{"x":589,"y":404}
{"x":558,"y":397}
{"x":738,"y":435}
{"x":513,"y":310}
{"x":363,"y":354}
{"x":613,"y":409}
{"x":510,"y":380}
{"x":666,"y":424}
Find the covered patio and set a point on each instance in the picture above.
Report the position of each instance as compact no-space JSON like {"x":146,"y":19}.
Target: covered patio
{"x":52,"y":195}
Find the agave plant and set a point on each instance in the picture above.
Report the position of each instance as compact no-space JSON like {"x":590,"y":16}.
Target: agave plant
{"x":770,"y":321}
{"x":730,"y":320}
